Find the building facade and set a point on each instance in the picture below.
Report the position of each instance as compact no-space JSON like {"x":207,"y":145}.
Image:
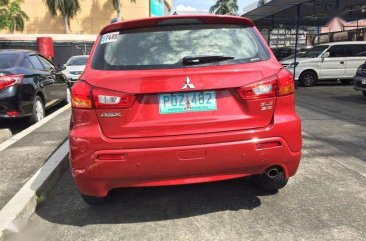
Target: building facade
{"x":92,"y":17}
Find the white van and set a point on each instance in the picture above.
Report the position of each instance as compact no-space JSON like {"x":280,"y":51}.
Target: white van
{"x":331,"y":61}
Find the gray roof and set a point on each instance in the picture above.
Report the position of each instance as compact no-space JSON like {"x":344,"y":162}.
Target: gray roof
{"x":313,"y":12}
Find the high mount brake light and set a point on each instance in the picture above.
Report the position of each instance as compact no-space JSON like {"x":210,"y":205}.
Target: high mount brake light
{"x":85,"y":96}
{"x":280,"y":84}
{"x":9,"y":80}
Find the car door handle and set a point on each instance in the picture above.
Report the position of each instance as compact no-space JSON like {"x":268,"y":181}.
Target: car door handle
{"x":342,"y":62}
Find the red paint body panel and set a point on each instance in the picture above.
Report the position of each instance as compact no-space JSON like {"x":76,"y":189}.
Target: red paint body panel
{"x":151,"y":149}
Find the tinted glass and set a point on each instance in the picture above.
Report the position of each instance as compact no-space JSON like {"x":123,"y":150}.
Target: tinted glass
{"x":363,"y":54}
{"x":7,"y":60}
{"x":35,"y":62}
{"x":315,"y":52}
{"x":336,"y":51}
{"x":355,"y":50}
{"x":166,"y":46}
{"x":46,"y":64}
{"x":27,"y":64}
{"x":77,"y":61}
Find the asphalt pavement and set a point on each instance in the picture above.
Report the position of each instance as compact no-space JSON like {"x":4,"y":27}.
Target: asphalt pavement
{"x":326,"y":200}
{"x":21,"y":160}
{"x":10,"y":127}
{"x":335,"y":114}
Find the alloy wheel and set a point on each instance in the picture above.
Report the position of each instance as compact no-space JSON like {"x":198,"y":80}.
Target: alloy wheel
{"x":39,"y":111}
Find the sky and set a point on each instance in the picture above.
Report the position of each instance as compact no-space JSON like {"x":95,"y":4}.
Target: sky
{"x":202,"y":6}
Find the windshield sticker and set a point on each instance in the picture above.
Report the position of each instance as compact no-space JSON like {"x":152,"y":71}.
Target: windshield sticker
{"x":109,"y":37}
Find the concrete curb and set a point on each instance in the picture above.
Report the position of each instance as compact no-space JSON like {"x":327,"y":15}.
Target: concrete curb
{"x":22,"y":134}
{"x":15,"y":214}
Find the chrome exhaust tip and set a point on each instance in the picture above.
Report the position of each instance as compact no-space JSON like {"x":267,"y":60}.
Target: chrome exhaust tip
{"x":272,"y":172}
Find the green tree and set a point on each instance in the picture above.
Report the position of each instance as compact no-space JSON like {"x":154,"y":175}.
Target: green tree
{"x":12,"y":17}
{"x":117,"y":7}
{"x":3,"y":20}
{"x":67,"y":8}
{"x":225,"y":7}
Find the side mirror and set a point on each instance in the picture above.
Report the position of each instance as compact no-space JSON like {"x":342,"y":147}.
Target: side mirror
{"x":62,"y":67}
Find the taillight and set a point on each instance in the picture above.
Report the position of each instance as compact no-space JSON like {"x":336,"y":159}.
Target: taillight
{"x":85,"y":96}
{"x":12,"y":113}
{"x":258,"y":90}
{"x":80,"y":95}
{"x":285,"y":83}
{"x":9,"y":80}
{"x":276,"y":85}
{"x":107,"y":99}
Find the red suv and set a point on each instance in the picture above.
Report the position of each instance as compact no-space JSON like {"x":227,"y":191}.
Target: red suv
{"x":180,"y":100}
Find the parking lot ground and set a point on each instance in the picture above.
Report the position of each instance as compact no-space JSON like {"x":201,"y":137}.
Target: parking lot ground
{"x":336,"y":115}
{"x":326,"y":200}
{"x":9,"y":127}
{"x":21,"y":160}
{"x":5,"y":134}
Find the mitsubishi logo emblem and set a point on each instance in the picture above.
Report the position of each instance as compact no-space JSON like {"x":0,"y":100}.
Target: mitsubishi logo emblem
{"x":188,"y":84}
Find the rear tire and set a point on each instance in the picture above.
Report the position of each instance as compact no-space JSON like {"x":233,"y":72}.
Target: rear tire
{"x":38,"y":110}
{"x":308,"y":79}
{"x":265,"y":183}
{"x":364,"y":93}
{"x":345,"y":81}
{"x":92,"y":200}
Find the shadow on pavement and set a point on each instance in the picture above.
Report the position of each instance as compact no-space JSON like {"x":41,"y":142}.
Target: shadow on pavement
{"x":328,"y":83}
{"x":19,"y":124}
{"x":135,"y":205}
{"x":355,"y":98}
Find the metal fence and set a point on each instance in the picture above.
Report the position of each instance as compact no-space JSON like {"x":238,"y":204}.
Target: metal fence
{"x":63,"y":49}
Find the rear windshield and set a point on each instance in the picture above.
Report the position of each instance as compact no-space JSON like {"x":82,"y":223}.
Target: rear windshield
{"x":77,"y":61}
{"x":7,"y":60}
{"x":166,"y":46}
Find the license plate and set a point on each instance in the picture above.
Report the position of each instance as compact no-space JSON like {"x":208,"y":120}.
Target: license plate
{"x":364,"y":82}
{"x":187,"y":102}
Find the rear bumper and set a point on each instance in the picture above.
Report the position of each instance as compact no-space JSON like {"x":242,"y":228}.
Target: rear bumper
{"x":184,"y":159}
{"x":357,"y":83}
{"x":11,"y":101}
{"x":183,"y":165}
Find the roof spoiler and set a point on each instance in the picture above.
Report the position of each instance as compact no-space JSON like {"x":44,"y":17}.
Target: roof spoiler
{"x":177,"y":20}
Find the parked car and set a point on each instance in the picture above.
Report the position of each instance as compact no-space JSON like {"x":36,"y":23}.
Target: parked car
{"x":74,"y":67}
{"x":332,"y":61}
{"x":181,"y":100}
{"x":282,"y":52}
{"x":29,"y":83}
{"x":359,"y":81}
{"x":292,"y":56}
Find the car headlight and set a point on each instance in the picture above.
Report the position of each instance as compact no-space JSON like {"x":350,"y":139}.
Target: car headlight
{"x":293,"y":65}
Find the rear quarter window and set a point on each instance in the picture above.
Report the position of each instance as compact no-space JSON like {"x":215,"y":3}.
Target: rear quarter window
{"x":166,"y":46}
{"x":8,"y":60}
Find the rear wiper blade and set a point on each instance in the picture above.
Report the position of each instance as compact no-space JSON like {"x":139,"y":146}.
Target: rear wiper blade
{"x":203,"y":59}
